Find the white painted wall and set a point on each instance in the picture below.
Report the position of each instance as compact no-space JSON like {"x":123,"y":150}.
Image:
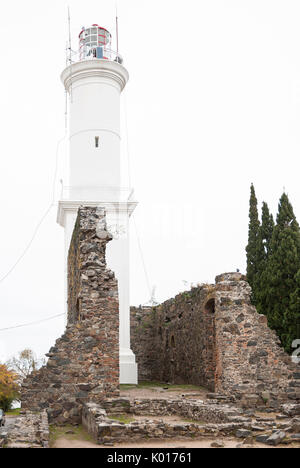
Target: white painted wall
{"x":94,"y":87}
{"x":94,"y":112}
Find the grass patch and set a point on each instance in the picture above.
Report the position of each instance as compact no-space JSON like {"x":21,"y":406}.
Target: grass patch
{"x":123,"y":418}
{"x":13,"y":412}
{"x":75,"y":433}
{"x":145,"y":384}
{"x":127,"y":387}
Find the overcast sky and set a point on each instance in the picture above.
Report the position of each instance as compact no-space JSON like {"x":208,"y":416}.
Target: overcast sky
{"x":213,"y":104}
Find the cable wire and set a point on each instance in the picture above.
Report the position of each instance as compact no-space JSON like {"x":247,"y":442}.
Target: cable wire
{"x":28,"y":245}
{"x":36,"y":230}
{"x":32,"y":323}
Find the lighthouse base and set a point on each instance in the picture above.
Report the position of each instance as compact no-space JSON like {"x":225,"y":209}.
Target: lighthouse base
{"x":128,"y":367}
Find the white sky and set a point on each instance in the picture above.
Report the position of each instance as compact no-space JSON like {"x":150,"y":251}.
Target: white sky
{"x":213,"y":104}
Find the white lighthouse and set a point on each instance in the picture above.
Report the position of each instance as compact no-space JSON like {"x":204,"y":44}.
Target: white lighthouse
{"x":94,"y":80}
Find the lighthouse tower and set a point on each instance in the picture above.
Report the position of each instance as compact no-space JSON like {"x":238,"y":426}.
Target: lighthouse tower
{"x":94,"y":80}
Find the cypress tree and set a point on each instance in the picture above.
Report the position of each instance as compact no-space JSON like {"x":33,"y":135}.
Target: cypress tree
{"x":267,"y":226}
{"x":263,"y":254}
{"x":280,"y":278}
{"x":292,"y":321}
{"x":252,"y":247}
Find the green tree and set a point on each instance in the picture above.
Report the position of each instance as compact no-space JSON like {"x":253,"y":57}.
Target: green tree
{"x":252,"y":247}
{"x":292,"y":321}
{"x":267,"y":227}
{"x":263,"y":254}
{"x":9,"y":388}
{"x":280,"y":280}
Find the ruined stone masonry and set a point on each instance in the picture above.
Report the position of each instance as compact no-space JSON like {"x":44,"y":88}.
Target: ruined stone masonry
{"x":30,"y":430}
{"x":212,"y":336}
{"x":84,"y":363}
{"x":213,"y":418}
{"x":184,"y":418}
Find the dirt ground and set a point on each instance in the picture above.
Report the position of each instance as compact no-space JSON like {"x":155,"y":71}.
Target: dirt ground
{"x":10,"y":421}
{"x":178,"y":444}
{"x":164,"y":392}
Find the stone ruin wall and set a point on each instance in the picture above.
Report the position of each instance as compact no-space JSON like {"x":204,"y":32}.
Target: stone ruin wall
{"x":212,"y":336}
{"x":84,"y":363}
{"x":175,"y":341}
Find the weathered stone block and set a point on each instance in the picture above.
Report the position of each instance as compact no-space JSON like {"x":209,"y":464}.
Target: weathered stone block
{"x":276,"y":438}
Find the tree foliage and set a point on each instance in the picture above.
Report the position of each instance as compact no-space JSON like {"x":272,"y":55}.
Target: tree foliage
{"x":281,"y":274}
{"x":266,"y":230}
{"x":273,"y":268}
{"x":252,"y":247}
{"x":25,"y":363}
{"x":9,"y":388}
{"x":263,"y":254}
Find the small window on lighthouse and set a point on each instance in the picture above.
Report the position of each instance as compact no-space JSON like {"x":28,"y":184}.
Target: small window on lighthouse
{"x":97,"y":142}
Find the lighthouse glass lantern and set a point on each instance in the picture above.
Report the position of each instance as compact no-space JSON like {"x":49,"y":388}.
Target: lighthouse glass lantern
{"x":94,"y":42}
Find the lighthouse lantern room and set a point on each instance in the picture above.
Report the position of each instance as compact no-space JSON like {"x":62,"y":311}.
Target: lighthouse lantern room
{"x":95,"y":42}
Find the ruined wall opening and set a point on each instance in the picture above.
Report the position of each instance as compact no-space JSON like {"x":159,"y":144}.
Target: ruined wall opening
{"x":210,"y":306}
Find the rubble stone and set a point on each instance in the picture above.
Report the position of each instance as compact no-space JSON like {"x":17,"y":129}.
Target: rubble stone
{"x":30,"y":430}
{"x":276,"y":438}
